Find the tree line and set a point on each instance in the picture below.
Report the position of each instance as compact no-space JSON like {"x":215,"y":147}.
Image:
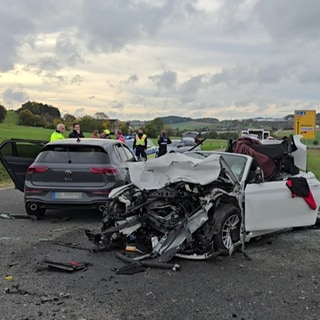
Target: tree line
{"x":37,"y":114}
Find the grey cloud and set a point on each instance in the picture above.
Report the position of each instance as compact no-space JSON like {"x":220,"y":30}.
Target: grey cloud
{"x":11,"y":95}
{"x":245,"y":74}
{"x":109,"y":26}
{"x":275,"y":72}
{"x":166,"y":80}
{"x":66,"y":53}
{"x":67,"y":50}
{"x":116,"y":105}
{"x":290,"y":21}
{"x":232,"y":17}
{"x":193,"y":85}
{"x":51,"y":77}
{"x":49,"y":63}
{"x":189,"y":90}
{"x":19,"y":21}
{"x":133,"y":78}
{"x":12,"y":30}
{"x":77,"y":79}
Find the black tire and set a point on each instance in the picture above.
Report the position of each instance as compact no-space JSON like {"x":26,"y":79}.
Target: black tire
{"x":227,"y":224}
{"x":40,"y":212}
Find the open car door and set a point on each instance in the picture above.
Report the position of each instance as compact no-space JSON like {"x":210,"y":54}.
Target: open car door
{"x":271,"y":205}
{"x":16,"y":155}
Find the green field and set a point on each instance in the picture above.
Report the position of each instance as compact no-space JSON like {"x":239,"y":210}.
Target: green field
{"x":9,"y":129}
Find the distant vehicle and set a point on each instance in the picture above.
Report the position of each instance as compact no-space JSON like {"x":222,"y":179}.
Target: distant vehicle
{"x":261,"y":134}
{"x":191,"y":134}
{"x":152,"y":150}
{"x":183,"y":145}
{"x":66,"y":173}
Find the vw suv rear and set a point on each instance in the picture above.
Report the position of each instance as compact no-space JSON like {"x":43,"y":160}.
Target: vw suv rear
{"x":73,"y":173}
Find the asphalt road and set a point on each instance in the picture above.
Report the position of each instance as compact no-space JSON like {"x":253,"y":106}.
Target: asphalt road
{"x":281,"y":281}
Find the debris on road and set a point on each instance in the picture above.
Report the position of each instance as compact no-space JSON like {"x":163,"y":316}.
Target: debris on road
{"x":16,"y":216}
{"x":69,"y":267}
{"x":6,"y":216}
{"x":137,"y":264}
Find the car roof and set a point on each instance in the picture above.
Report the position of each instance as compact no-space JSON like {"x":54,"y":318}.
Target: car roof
{"x":84,"y":141}
{"x":191,"y":134}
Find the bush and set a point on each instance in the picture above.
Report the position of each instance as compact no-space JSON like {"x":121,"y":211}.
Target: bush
{"x":315,"y":142}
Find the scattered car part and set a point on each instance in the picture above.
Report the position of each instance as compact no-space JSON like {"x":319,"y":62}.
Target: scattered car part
{"x":70,"y":266}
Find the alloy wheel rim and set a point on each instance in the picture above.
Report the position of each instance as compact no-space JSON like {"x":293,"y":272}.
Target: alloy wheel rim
{"x":228,"y":229}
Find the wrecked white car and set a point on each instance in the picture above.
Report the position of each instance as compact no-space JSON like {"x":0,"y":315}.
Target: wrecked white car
{"x":200,"y":204}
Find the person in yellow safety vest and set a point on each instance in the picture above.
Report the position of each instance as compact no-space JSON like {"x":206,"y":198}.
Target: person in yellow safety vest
{"x":58,"y":134}
{"x":107,"y":134}
{"x":140,"y":144}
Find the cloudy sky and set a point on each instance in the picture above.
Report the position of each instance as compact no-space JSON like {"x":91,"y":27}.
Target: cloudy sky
{"x":141,"y":59}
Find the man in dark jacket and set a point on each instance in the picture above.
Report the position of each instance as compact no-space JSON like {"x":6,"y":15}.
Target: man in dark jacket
{"x":163,"y":141}
{"x":76,"y":132}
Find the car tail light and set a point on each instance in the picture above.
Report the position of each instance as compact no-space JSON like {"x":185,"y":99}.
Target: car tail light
{"x":110,"y":171}
{"x":33,"y":191}
{"x":36,"y":169}
{"x":106,"y":192}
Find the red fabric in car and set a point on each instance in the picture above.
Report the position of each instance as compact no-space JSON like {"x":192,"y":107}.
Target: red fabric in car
{"x":299,"y":188}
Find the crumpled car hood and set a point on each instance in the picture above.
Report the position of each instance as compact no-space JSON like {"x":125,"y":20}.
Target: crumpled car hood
{"x":176,"y":205}
{"x":174,"y":167}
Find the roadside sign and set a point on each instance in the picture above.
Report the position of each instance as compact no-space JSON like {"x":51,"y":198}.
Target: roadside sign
{"x":305,"y":123}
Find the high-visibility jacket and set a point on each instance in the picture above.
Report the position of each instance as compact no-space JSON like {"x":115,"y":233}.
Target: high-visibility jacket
{"x":56,"y":135}
{"x":140,"y":141}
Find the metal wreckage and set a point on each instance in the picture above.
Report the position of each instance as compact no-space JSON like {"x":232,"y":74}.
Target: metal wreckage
{"x":195,"y":206}
{"x":175,"y":206}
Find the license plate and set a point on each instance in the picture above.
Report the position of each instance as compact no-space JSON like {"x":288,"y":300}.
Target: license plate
{"x":66,"y":195}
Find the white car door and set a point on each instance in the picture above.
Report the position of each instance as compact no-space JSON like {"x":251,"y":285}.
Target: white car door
{"x":270,"y":205}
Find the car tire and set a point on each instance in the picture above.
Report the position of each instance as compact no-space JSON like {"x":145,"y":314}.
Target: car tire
{"x":39,"y":212}
{"x":227,"y":224}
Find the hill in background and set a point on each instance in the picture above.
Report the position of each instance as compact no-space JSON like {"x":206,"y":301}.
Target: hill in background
{"x":209,"y":124}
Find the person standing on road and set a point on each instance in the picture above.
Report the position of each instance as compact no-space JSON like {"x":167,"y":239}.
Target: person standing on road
{"x":163,"y":141}
{"x":58,"y":133}
{"x":76,"y":132}
{"x":140,"y":144}
{"x":119,"y":136}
